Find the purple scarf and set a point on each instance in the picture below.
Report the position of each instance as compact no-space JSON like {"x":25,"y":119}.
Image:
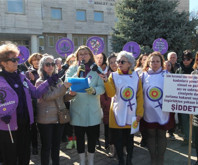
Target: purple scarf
{"x":14,"y":80}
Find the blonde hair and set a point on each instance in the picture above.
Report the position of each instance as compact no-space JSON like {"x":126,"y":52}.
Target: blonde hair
{"x":195,"y":64}
{"x":69,"y":57}
{"x":34,"y":56}
{"x":84,"y":47}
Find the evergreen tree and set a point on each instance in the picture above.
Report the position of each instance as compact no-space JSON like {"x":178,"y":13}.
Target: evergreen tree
{"x":143,"y":21}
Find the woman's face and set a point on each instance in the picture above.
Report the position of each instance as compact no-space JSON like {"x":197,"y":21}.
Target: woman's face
{"x":112,"y":64}
{"x":167,"y":65}
{"x":58,"y":65}
{"x":123,"y":64}
{"x":187,"y":61}
{"x":35,"y":63}
{"x":143,"y":60}
{"x":71,"y":60}
{"x":196,"y":59}
{"x":49,"y":66}
{"x":10,"y":65}
{"x":99,"y":59}
{"x":84,"y":55}
{"x":155,"y":63}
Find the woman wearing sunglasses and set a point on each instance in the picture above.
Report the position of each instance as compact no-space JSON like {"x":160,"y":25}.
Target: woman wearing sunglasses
{"x":186,"y":67}
{"x":125,"y":87}
{"x":20,"y":115}
{"x":49,"y":127}
{"x":155,"y":122}
{"x":85,"y":109}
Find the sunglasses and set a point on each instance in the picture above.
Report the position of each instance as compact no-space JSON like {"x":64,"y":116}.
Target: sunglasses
{"x":48,"y":64}
{"x":121,"y":61}
{"x":12,"y":59}
{"x":186,"y":59}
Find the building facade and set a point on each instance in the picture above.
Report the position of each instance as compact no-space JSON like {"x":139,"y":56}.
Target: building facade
{"x":39,"y":24}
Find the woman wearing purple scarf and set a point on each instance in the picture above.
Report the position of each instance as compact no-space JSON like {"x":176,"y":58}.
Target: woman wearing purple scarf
{"x":21,"y":117}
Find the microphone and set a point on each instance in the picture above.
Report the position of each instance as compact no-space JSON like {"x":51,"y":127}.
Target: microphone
{"x":94,"y":68}
{"x":82,"y":63}
{"x":62,"y":71}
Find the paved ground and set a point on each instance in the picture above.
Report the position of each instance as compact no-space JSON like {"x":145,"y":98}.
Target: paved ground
{"x":176,"y":154}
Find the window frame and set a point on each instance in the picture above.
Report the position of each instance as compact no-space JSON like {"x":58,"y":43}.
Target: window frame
{"x":16,"y":12}
{"x":81,"y":10}
{"x":55,"y":8}
{"x":48,"y":42}
{"x":102,"y":16}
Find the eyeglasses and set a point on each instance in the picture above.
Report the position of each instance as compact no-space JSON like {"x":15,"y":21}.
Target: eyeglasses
{"x":121,"y":61}
{"x":12,"y":59}
{"x":48,"y":64}
{"x":186,"y":59}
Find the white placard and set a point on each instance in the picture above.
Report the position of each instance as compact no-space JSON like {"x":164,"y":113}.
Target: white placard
{"x":135,"y":125}
{"x":180,"y":93}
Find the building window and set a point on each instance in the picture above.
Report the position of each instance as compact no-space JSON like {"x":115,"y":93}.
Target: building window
{"x":80,"y":15}
{"x":56,"y":13}
{"x":84,"y":40}
{"x":98,"y":16}
{"x":51,"y":41}
{"x":41,"y":42}
{"x":15,"y":6}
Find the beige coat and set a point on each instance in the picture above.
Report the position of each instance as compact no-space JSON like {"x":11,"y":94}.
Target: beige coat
{"x":46,"y":107}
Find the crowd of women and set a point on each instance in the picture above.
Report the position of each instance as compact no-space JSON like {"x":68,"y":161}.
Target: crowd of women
{"x":121,"y":89}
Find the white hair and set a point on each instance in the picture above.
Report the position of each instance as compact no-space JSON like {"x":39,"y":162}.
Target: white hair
{"x":129,"y":56}
{"x":41,"y":71}
{"x":170,"y":53}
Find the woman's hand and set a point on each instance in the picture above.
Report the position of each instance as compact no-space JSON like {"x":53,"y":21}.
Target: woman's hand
{"x":31,"y":76}
{"x":138,"y":118}
{"x":103,"y":77}
{"x":67,"y":84}
{"x":90,"y":91}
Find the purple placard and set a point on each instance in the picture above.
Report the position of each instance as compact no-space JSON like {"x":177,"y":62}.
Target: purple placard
{"x":132,"y":47}
{"x":8,"y":101}
{"x":160,"y":45}
{"x":96,"y":45}
{"x":64,"y":47}
{"x":23,"y":55}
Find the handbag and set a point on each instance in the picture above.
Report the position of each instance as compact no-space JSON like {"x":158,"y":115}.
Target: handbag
{"x":63,"y":116}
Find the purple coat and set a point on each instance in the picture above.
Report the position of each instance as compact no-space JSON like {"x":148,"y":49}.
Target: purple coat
{"x":30,"y":91}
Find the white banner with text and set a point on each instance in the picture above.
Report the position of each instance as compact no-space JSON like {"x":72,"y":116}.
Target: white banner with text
{"x":180,"y":94}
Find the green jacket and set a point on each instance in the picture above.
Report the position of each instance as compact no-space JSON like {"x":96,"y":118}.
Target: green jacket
{"x":85,"y":109}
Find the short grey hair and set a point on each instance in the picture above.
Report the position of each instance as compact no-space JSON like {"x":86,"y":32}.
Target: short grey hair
{"x":58,"y":59}
{"x":129,"y":56}
{"x":170,"y":53}
{"x":42,"y":62}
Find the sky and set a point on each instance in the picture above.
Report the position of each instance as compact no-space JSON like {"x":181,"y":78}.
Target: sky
{"x":193,"y":5}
